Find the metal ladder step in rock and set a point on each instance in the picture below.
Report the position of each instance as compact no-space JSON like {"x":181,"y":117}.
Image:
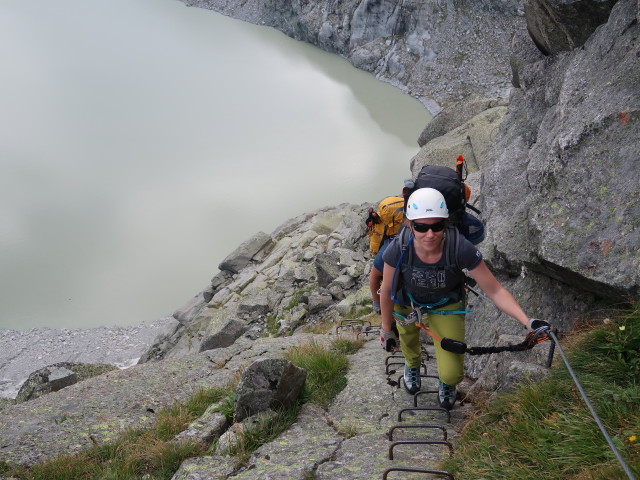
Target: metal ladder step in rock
{"x":393,"y":360}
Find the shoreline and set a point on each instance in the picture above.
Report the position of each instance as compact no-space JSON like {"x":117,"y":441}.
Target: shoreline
{"x":24,"y":352}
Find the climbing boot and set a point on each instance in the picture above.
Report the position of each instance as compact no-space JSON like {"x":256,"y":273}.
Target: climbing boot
{"x":411,"y":379}
{"x":446,"y":395}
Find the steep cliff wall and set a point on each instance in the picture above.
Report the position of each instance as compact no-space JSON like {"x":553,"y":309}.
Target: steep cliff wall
{"x":438,"y":51}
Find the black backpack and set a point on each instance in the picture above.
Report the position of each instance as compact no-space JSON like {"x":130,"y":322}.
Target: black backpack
{"x":450,"y":183}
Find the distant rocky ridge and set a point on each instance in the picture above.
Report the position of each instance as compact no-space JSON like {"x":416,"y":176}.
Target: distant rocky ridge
{"x":553,"y":168}
{"x":438,"y":51}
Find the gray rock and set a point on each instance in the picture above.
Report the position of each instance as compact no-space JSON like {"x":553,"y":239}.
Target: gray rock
{"x":212,"y":467}
{"x":503,"y":371}
{"x":193,"y":307}
{"x":221,"y":279}
{"x":327,"y":268}
{"x":319,"y":302}
{"x":345,"y":282}
{"x":557,"y":25}
{"x":523,"y":52}
{"x":253,"y":308}
{"x":568,"y":147}
{"x":292,"y":319}
{"x":208,"y":427}
{"x":268,"y":383}
{"x":241,"y":256}
{"x":472,"y":139}
{"x":225,"y":336}
{"x":234,"y":436}
{"x":456,"y":114}
{"x":45,"y":380}
{"x":296,"y":453}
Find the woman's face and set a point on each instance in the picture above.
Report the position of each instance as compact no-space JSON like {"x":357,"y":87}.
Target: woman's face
{"x":430,"y":239}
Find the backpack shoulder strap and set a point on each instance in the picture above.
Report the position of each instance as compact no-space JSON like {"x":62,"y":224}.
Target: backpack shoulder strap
{"x":452,"y":246}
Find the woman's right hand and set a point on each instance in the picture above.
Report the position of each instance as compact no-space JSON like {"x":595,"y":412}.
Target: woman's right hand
{"x":389,"y":340}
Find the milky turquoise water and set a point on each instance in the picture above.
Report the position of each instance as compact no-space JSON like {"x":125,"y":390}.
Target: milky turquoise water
{"x":141,"y":141}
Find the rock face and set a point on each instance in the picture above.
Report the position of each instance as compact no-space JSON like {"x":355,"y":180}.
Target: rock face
{"x":559,"y":25}
{"x":461,"y":47}
{"x":569,"y":147}
{"x":295,"y":276}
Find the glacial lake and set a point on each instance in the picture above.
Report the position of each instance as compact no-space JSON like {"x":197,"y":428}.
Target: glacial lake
{"x":141,"y":141}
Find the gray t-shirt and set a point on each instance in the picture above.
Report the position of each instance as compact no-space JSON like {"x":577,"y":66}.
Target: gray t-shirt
{"x":430,"y":282}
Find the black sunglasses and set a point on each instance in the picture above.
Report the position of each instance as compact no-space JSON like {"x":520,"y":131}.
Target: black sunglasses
{"x":423,"y":227}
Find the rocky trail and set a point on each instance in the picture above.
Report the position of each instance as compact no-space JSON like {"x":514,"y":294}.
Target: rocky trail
{"x":347,"y":441}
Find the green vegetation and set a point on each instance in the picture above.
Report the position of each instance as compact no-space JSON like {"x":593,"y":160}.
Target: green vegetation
{"x":297,"y":297}
{"x":151,"y":455}
{"x":359,"y":312}
{"x":265,"y":430}
{"x":544,"y":431}
{"x":273,"y":324}
{"x":348,"y":346}
{"x":326,"y":370}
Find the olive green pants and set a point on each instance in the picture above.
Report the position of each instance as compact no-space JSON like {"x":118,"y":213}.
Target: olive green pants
{"x":450,"y":365}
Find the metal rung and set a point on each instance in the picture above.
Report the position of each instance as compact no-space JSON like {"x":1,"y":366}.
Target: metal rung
{"x":386,"y":360}
{"x":371,"y":330}
{"x":425,"y":409}
{"x":418,"y":425}
{"x":416,"y":470}
{"x":344,"y":326}
{"x":422,"y":392}
{"x":419,"y":442}
{"x":355,"y":321}
{"x":392,"y":363}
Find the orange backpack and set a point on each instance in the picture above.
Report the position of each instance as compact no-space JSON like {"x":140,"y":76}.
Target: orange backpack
{"x":385,"y":222}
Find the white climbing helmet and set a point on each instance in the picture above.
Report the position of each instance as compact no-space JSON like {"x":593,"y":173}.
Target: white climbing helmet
{"x":426,"y":203}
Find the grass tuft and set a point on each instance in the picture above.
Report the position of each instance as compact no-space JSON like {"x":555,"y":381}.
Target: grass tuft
{"x":346,"y":345}
{"x":326,"y":370}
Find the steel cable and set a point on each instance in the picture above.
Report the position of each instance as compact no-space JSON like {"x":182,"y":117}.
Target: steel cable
{"x":623,"y":464}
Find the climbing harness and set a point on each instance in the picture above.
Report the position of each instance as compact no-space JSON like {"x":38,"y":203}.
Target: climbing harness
{"x":455,"y":346}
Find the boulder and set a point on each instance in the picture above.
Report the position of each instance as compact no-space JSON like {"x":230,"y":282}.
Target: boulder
{"x":224,"y":336}
{"x":206,"y":428}
{"x":233,"y":436}
{"x":268,"y":383}
{"x":472,"y":139}
{"x":458,"y":113}
{"x":241,"y":256}
{"x":57,"y":376}
{"x":327,"y":268}
{"x":523,"y":52}
{"x":318,"y":302}
{"x":559,"y":25}
{"x":193,"y":307}
{"x":253,"y":308}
